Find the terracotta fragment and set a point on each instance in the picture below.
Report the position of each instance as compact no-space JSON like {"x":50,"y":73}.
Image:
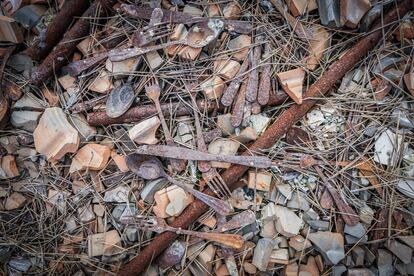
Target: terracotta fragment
{"x":144,"y":132}
{"x":292,"y":83}
{"x":300,"y":7}
{"x":9,"y":167}
{"x":54,"y":136}
{"x":92,"y":157}
{"x":102,"y":83}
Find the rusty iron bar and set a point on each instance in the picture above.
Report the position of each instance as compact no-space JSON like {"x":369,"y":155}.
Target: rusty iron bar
{"x":328,"y":79}
{"x":60,"y":55}
{"x":144,"y":111}
{"x":57,"y":28}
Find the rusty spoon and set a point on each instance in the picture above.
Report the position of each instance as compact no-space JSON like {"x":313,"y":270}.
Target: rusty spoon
{"x":151,"y":168}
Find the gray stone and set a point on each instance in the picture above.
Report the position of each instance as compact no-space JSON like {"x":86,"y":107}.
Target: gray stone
{"x":353,"y":240}
{"x":402,"y":251}
{"x":22,"y":265}
{"x":338,"y":270}
{"x":285,"y":190}
{"x":358,"y":255}
{"x":360,"y":272}
{"x":330,"y":244}
{"x":118,"y":211}
{"x":298,"y":201}
{"x":262,"y":253}
{"x":406,"y":187}
{"x":357,"y":231}
{"x":384,"y":263}
{"x":408,"y":240}
{"x":151,"y":188}
{"x":310,"y":215}
{"x":319,"y":225}
{"x":369,"y":256}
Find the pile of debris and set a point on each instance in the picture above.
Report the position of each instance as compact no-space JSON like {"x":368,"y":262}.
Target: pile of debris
{"x":222,"y":137}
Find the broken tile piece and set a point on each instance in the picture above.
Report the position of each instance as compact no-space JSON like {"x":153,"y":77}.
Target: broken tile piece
{"x":310,"y":268}
{"x":330,"y":244}
{"x":102,"y":83}
{"x":54,"y":136}
{"x":108,"y":243}
{"x":120,"y":162}
{"x":353,"y":11}
{"x":317,"y":46}
{"x":223,"y":146}
{"x":14,"y":201}
{"x":213,"y":87}
{"x":259,"y":180}
{"x":9,"y":166}
{"x":161,"y":203}
{"x":179,"y":200}
{"x":92,"y":157}
{"x":118,"y":194}
{"x":292,"y":83}
{"x":144,"y":132}
{"x":330,"y":13}
{"x":299,"y":243}
{"x":232,"y":10}
{"x":241,"y":46}
{"x":226,"y":68}
{"x":388,"y":147}
{"x":262,"y":253}
{"x":406,"y":187}
{"x":300,"y":7}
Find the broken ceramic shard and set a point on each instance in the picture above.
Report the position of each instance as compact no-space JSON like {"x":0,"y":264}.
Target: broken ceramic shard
{"x":317,"y":46}
{"x":119,"y":100}
{"x":262,"y":253}
{"x":330,"y":13}
{"x":223,"y":146}
{"x":292,"y":83}
{"x":14,"y":201}
{"x":179,"y":200}
{"x":226,"y":68}
{"x":118,"y":194}
{"x":108,"y":243}
{"x":259,"y":180}
{"x":301,"y":7}
{"x":8,"y":167}
{"x":353,"y":11}
{"x":54,"y":136}
{"x":388,"y":147}
{"x":213,"y":88}
{"x":144,"y":132}
{"x":406,"y":187}
{"x":240,"y":45}
{"x":102,"y":83}
{"x":122,"y":67}
{"x":92,"y":157}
